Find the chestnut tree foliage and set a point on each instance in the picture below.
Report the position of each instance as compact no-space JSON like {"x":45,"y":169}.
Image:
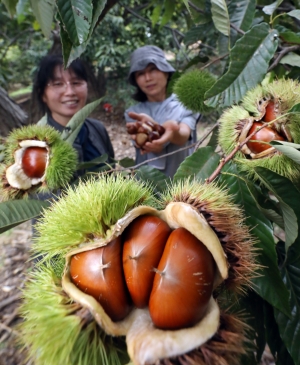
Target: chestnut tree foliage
{"x":240,"y":42}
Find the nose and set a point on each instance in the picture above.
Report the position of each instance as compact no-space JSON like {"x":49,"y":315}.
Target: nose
{"x":147,"y":75}
{"x":68,"y":88}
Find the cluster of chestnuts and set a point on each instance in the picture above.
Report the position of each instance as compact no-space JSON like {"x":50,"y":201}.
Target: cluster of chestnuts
{"x":150,"y":265}
{"x":145,"y":131}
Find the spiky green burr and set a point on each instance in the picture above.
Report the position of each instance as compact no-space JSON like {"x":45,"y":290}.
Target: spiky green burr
{"x":61,"y":161}
{"x":191,"y":88}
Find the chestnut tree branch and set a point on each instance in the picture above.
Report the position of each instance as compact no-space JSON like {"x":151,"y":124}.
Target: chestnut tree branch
{"x":281,"y":54}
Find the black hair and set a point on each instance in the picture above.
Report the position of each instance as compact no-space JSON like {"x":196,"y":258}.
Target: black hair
{"x":46,"y":73}
{"x":140,"y":96}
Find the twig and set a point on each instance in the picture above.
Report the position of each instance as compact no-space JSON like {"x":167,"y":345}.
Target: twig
{"x":282,"y":54}
{"x":237,"y":29}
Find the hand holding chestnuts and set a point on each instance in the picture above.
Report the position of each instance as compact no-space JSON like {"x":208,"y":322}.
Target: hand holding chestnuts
{"x":145,"y":131}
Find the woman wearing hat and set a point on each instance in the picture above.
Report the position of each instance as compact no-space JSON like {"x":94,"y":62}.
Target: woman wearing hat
{"x":150,"y":73}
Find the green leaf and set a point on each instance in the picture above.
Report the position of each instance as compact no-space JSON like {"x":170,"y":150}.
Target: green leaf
{"x":265,"y":205}
{"x":10,"y":6}
{"x":126,"y":162}
{"x":269,"y":285}
{"x":274,"y":340}
{"x":213,"y":141}
{"x":241,"y":13}
{"x":201,"y":163}
{"x":168,"y":12}
{"x":156,"y":14}
{"x":249,"y":60}
{"x":289,"y":327}
{"x":288,"y":36}
{"x":43,"y":10}
{"x":98,"y":7}
{"x":65,"y":41}
{"x":154,"y":176}
{"x":269,"y":9}
{"x":295,"y":109}
{"x":75,"y":123}
{"x":93,"y":163}
{"x":288,"y":149}
{"x":15,"y":212}
{"x":291,"y":59}
{"x":77,"y":17}
{"x":294,"y":13}
{"x":288,"y":197}
{"x":220,"y":16}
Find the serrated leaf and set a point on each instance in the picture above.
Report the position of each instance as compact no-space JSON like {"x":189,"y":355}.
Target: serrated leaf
{"x":156,"y":14}
{"x":220,"y":16}
{"x":291,"y":59}
{"x":249,"y":60}
{"x":43,"y":10}
{"x":241,"y":13}
{"x":75,"y":123}
{"x":289,"y":327}
{"x":10,"y":6}
{"x":154,"y":176}
{"x":168,"y":12}
{"x":15,"y":212}
{"x":289,"y":151}
{"x":269,"y":9}
{"x":77,"y":17}
{"x":269,"y":285}
{"x":65,"y":41}
{"x":294,"y":13}
{"x":200,"y":164}
{"x":98,"y":7}
{"x":288,"y":197}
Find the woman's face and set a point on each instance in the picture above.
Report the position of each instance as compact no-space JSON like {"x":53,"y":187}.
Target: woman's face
{"x":65,"y":95}
{"x":152,"y":82}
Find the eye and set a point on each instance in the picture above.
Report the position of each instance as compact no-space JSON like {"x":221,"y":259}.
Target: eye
{"x":57,"y":83}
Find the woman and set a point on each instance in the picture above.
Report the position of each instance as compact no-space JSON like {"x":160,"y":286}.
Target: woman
{"x":150,"y":73}
{"x":63,"y":92}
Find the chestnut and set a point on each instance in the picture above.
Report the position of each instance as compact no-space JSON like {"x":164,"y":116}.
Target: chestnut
{"x":99,"y":273}
{"x":270,"y":113}
{"x":34,"y":161}
{"x":183,"y":282}
{"x":266,"y":134}
{"x":144,"y":242}
{"x":141,"y":139}
{"x":131,"y":128}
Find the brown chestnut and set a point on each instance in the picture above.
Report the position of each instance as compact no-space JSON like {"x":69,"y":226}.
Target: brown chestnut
{"x":144,"y":242}
{"x":99,"y":273}
{"x":270,"y":113}
{"x":183,"y":282}
{"x":34,"y":161}
{"x":266,"y":134}
{"x":131,"y":128}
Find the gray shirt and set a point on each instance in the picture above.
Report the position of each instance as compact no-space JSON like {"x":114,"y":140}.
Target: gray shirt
{"x":169,"y":109}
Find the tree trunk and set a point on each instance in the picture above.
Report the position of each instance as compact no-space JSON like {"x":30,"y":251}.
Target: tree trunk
{"x":11,"y":115}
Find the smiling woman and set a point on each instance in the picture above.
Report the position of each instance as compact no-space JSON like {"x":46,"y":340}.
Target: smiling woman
{"x":62,"y":93}
{"x":150,"y":73}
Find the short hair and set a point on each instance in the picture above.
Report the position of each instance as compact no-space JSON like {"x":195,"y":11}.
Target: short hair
{"x":45,"y":74}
